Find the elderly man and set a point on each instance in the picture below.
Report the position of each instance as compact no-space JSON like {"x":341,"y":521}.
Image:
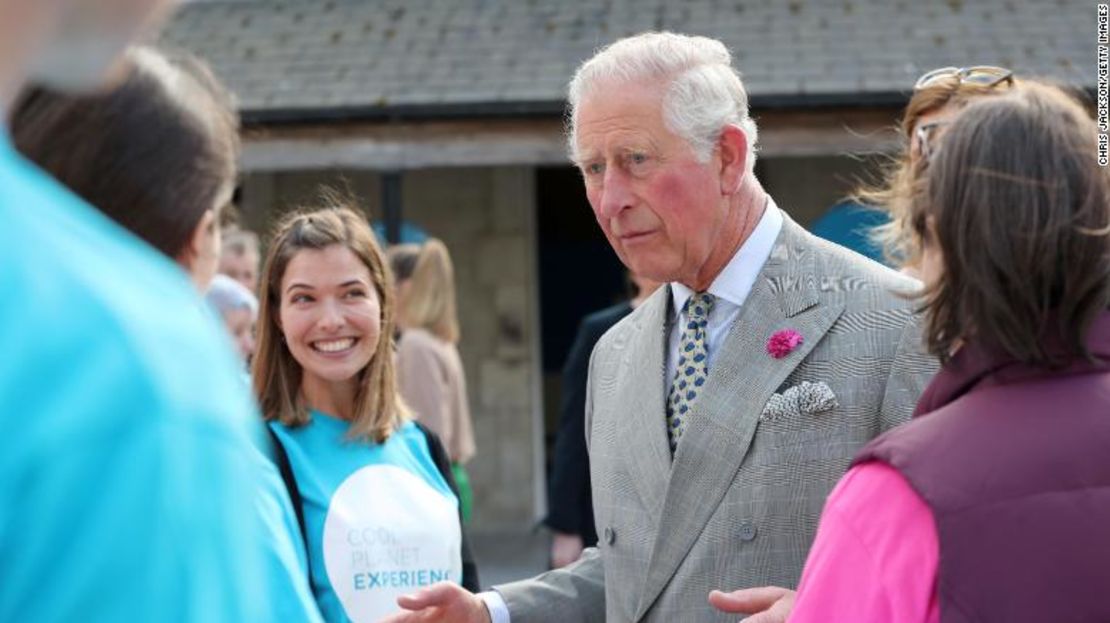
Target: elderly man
{"x":721,"y":411}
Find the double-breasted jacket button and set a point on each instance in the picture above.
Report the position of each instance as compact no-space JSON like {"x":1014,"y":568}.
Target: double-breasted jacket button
{"x":747,"y":531}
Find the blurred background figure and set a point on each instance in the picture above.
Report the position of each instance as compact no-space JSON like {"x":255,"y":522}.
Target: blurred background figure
{"x":239,"y":256}
{"x":570,"y":509}
{"x":374,"y":493}
{"x":238,"y":307}
{"x":873,"y":221}
{"x":937,"y":96}
{"x":126,"y":481}
{"x":158,"y":155}
{"x":429,"y":368}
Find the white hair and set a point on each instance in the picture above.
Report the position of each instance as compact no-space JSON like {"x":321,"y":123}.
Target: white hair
{"x":704,"y":94}
{"x":225,"y":295}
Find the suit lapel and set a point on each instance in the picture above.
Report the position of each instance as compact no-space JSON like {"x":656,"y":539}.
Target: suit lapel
{"x":641,"y":389}
{"x":743,"y":378}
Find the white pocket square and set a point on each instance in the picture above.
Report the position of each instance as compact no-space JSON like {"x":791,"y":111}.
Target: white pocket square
{"x":805,"y":398}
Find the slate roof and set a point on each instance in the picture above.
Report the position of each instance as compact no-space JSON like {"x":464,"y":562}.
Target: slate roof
{"x":296,"y":59}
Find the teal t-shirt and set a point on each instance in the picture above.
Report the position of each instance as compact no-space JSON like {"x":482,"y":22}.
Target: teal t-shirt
{"x":127,"y":479}
{"x":381,"y":520}
{"x":279,"y":536}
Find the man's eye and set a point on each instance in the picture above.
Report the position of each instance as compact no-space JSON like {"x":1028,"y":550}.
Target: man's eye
{"x":636,"y":159}
{"x":594,"y":168}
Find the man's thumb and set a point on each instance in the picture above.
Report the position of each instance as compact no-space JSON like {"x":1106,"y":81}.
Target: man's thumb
{"x":435,"y":595}
{"x":746,"y":601}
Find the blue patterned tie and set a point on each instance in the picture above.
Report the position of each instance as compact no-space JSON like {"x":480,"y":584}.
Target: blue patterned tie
{"x":691,"y":366}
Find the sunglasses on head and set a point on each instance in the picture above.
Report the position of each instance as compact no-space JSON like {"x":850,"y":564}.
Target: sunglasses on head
{"x":985,"y":75}
{"x":925,"y":136}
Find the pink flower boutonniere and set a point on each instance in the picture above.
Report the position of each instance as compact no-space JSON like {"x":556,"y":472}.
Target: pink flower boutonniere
{"x":783,"y":342}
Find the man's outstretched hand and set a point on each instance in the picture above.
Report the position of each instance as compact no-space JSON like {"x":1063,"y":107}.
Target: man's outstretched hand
{"x":445,"y":601}
{"x":766,"y":604}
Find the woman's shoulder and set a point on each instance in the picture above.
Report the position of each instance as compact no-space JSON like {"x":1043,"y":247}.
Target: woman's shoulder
{"x":876,"y":501}
{"x":423,"y":441}
{"x":419,"y":336}
{"x":421,"y":343}
{"x":415,"y":433}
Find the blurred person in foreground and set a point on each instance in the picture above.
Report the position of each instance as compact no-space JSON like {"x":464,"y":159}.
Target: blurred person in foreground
{"x":429,"y":369}
{"x":157,"y":153}
{"x":993,"y":503}
{"x":570,"y":512}
{"x":722,"y":411}
{"x":126,"y":480}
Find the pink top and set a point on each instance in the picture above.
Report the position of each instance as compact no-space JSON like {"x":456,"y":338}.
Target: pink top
{"x":875,"y":556}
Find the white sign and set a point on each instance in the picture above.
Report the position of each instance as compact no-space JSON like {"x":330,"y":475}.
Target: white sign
{"x":388,"y":533}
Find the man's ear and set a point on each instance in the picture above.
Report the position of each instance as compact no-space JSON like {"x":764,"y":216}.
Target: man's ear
{"x":732,"y":147}
{"x":199,"y":239}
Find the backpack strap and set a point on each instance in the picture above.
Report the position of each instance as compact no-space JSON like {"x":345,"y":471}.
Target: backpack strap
{"x":442,"y":462}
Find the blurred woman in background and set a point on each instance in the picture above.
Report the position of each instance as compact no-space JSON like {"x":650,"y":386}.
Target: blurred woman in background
{"x":937,"y":96}
{"x":429,"y":369}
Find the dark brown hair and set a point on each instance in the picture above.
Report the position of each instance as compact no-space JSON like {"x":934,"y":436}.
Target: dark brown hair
{"x":402,"y":260}
{"x":154,"y":153}
{"x":379,"y":409}
{"x":1020,"y":209}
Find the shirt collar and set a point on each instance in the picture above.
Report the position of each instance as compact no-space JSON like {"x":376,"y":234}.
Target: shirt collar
{"x":736,"y":279}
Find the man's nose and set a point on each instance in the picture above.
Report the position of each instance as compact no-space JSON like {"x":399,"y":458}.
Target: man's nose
{"x":616,"y":194}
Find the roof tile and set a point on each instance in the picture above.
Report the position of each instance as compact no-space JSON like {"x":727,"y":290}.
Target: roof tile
{"x":315,"y":53}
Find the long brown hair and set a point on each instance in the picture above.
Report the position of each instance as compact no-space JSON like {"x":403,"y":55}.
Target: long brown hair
{"x":1021,"y":214}
{"x":154,"y":153}
{"x":379,"y":409}
{"x":895,"y":191}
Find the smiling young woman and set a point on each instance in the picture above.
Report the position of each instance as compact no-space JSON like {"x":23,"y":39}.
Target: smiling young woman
{"x":373,"y":490}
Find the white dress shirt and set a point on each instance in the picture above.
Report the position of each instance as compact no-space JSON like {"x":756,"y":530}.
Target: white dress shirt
{"x":731,"y":289}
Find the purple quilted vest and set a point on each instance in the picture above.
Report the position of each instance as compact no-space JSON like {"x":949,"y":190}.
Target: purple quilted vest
{"x":1014,"y":462}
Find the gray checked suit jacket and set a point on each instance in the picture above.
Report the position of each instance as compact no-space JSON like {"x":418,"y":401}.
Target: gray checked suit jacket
{"x":739,"y":504}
